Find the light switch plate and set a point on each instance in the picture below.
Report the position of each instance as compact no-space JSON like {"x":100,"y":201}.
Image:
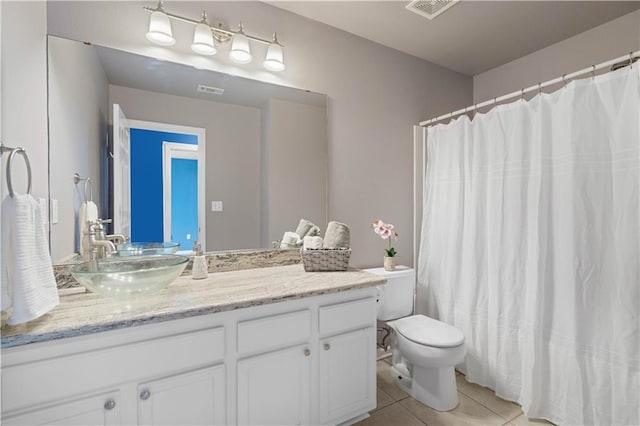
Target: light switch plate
{"x":216,"y":206}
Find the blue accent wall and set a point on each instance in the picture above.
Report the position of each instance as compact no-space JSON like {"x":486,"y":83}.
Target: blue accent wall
{"x":146,"y":182}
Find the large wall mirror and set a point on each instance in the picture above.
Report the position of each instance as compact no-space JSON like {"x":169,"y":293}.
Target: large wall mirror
{"x":176,"y":153}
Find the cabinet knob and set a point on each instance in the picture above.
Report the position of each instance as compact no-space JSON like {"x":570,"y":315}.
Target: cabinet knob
{"x":145,"y":394}
{"x":327,"y":346}
{"x":110,"y":404}
{"x":307,"y":352}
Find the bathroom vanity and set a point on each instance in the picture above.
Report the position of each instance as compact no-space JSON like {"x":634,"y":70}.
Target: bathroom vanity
{"x":260,"y":346}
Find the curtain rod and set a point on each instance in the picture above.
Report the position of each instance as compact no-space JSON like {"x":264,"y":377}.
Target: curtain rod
{"x":592,"y":69}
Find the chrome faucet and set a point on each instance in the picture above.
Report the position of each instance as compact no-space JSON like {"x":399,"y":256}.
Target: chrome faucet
{"x":99,"y":246}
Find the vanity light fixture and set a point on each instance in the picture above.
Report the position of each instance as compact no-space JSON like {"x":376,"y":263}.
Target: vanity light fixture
{"x":203,"y":38}
{"x":206,"y":35}
{"x":160,"y":27}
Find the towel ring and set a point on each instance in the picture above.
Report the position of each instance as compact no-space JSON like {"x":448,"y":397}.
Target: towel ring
{"x":87,"y":183}
{"x":26,"y":162}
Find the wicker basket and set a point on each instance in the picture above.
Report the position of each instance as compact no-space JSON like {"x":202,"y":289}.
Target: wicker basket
{"x":325,"y":260}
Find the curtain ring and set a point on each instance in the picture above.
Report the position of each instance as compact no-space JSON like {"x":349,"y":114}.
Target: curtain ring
{"x":539,"y":88}
{"x":495,"y":103}
{"x":630,"y":60}
{"x":593,"y":72}
{"x":522,"y":94}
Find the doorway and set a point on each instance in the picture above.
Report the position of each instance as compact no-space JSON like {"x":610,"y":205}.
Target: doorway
{"x":167,"y":183}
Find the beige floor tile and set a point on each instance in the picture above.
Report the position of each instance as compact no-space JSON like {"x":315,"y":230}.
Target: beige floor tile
{"x":386,"y":383}
{"x":522,"y":420}
{"x":468,"y":412}
{"x":383,"y":399}
{"x":392,"y":415}
{"x":485,"y":396}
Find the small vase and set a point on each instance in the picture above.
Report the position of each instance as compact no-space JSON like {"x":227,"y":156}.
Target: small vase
{"x":389,"y":263}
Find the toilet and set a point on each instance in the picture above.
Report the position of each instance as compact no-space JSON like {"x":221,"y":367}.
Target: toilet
{"x":424,"y":350}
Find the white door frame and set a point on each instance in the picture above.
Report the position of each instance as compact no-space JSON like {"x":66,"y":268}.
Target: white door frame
{"x":202,"y":146}
{"x":171,"y":150}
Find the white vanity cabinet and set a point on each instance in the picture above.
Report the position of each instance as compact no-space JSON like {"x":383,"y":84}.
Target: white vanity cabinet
{"x":274,"y":370}
{"x":304,"y":361}
{"x":347,"y":363}
{"x":101,"y":409}
{"x":194,"y":398}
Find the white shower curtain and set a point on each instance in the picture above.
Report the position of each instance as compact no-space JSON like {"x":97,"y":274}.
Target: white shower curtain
{"x":531,"y":246}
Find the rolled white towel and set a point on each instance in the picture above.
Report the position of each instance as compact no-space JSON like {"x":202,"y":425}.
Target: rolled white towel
{"x":289,"y":240}
{"x":337,"y":236}
{"x":312,"y":243}
{"x":306,"y":227}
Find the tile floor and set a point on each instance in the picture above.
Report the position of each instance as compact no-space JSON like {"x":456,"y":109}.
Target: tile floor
{"x":478,"y":406}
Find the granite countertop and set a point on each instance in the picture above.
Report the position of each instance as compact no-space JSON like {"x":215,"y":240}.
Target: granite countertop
{"x":86,"y":313}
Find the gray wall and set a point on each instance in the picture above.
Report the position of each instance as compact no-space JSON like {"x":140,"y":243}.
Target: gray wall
{"x":597,"y":45}
{"x":232,"y":158}
{"x":297,"y":166}
{"x":78,"y":120}
{"x":24,"y":91}
{"x":376,"y":95}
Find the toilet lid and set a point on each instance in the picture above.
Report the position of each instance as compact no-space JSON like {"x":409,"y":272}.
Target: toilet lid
{"x":429,"y":332}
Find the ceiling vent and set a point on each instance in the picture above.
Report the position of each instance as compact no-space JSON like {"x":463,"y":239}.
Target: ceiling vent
{"x":430,"y":8}
{"x":210,"y":90}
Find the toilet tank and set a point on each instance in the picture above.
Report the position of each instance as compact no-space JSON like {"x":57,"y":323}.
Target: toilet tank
{"x":395,"y":297}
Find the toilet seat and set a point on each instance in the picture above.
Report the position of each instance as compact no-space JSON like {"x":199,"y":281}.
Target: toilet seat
{"x":429,"y":332}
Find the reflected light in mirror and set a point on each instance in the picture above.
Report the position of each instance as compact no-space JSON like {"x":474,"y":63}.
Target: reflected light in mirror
{"x":240,"y":51}
{"x":203,"y":39}
{"x":275,"y":57}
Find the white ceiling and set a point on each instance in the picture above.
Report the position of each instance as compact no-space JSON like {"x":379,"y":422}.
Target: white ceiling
{"x":146,"y":73}
{"x":471,"y":37}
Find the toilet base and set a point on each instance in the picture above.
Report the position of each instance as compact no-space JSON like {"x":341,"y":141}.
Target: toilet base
{"x":434,"y":387}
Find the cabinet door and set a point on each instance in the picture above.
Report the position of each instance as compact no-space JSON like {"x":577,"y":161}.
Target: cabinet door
{"x":96,"y":410}
{"x":194,"y":398}
{"x":273,"y":388}
{"x":347,"y":375}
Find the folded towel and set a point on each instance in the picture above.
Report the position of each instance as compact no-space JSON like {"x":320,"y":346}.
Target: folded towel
{"x":337,"y":236}
{"x":312,"y":243}
{"x":88,"y":212}
{"x":289,"y":240}
{"x":28,"y":283}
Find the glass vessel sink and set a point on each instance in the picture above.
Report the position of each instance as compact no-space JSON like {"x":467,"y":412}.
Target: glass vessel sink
{"x":129,"y":276}
{"x":140,"y":249}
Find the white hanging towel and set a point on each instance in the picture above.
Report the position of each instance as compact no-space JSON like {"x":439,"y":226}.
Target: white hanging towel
{"x":88,"y":211}
{"x":28,"y":283}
